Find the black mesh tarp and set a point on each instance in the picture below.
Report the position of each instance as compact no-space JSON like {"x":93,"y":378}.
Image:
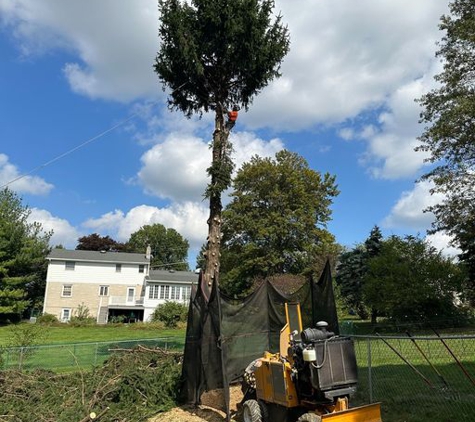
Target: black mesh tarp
{"x":224,"y":335}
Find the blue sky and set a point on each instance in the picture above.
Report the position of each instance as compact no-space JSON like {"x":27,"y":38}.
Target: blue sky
{"x":73,"y":69}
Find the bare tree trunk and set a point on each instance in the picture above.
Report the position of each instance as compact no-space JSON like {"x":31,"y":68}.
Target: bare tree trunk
{"x":212,"y":254}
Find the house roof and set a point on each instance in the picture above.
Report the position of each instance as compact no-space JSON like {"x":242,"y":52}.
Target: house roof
{"x":177,"y":276}
{"x":98,"y":256}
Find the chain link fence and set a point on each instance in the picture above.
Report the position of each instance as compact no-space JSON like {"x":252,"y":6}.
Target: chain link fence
{"x":418,"y":379}
{"x":71,"y":357}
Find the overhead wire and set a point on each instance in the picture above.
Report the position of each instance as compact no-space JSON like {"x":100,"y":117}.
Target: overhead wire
{"x":90,"y":140}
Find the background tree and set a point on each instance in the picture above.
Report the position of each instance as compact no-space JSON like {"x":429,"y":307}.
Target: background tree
{"x":96,"y":242}
{"x":169,"y":248}
{"x":351,"y":269}
{"x":214,"y":54}
{"x":449,"y":115}
{"x":23,"y":250}
{"x":351,"y":272}
{"x":276,"y":221}
{"x":410,"y":280}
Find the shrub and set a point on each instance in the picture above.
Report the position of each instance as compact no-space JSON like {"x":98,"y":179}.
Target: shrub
{"x":170,"y":313}
{"x":46,"y":319}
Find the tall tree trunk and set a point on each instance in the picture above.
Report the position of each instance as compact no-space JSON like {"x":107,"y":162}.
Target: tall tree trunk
{"x":220,"y":150}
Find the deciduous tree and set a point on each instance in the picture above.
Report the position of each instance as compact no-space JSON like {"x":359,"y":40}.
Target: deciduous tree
{"x":169,"y":248}
{"x":96,"y":242}
{"x":213,"y":55}
{"x":410,"y":280}
{"x":276,"y":221}
{"x":449,"y":115}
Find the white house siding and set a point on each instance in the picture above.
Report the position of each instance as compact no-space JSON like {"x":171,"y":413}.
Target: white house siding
{"x":86,"y":279}
{"x":159,"y":292}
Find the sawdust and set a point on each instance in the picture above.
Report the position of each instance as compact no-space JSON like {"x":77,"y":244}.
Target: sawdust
{"x":207,"y":412}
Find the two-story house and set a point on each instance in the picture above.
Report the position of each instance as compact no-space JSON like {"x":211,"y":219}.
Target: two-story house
{"x":110,"y":285}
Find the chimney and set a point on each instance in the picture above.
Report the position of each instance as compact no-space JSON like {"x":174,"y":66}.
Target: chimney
{"x":148,"y":252}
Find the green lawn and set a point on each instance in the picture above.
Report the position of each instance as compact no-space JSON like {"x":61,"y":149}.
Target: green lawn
{"x":96,"y":333}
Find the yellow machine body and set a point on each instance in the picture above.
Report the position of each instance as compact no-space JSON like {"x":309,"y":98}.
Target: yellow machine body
{"x":274,"y":382}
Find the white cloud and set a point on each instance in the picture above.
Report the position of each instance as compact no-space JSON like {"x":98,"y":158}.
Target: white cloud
{"x":176,"y":168}
{"x":29,"y":184}
{"x":441,"y":241}
{"x":390,"y":150}
{"x":345,"y":57}
{"x":116,"y":42}
{"x":63,"y":232}
{"x":408,"y":211}
{"x":188,"y":218}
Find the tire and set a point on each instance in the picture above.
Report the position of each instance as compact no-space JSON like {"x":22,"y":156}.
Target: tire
{"x":309,"y":417}
{"x":252,"y":411}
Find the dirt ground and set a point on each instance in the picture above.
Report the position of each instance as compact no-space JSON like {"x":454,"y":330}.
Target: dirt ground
{"x":206,"y":412}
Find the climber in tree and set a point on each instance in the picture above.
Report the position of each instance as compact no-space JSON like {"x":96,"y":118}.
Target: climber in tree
{"x":232,"y":117}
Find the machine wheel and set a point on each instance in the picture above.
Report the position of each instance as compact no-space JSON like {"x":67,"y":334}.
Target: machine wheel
{"x":309,"y":417}
{"x":252,"y":411}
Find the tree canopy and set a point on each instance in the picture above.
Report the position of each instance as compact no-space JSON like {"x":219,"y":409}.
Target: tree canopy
{"x":410,"y":280}
{"x":23,"y":250}
{"x":449,"y":116}
{"x":96,"y":242}
{"x":220,"y":52}
{"x":214,"y":55}
{"x":169,"y":248}
{"x":276,"y":220}
{"x":352,"y":271}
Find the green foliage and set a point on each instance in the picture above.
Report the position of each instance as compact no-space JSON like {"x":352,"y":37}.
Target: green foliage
{"x":449,"y":115}
{"x":22,"y":338}
{"x":411,"y":280}
{"x":46,"y":319}
{"x":351,"y":272}
{"x":169,"y":248}
{"x":218,"y":52}
{"x":170,"y":313}
{"x":276,"y":221}
{"x":23,"y":249}
{"x":95,"y":242}
{"x":134,"y":386}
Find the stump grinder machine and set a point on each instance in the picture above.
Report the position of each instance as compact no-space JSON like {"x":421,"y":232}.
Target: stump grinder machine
{"x":310,"y":380}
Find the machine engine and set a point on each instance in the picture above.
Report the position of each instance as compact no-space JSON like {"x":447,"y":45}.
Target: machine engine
{"x":323,"y":365}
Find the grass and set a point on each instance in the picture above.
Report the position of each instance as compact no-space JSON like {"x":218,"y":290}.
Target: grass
{"x":64,"y":348}
{"x":64,"y":333}
{"x":418,"y":393}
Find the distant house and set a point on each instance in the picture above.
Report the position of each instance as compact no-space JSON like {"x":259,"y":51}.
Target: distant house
{"x":112,"y":285}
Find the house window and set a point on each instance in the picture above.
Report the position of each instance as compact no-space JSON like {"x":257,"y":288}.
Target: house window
{"x":65,"y":314}
{"x":103,"y":290}
{"x":153,"y":292}
{"x":118,"y":268}
{"x":141,"y":268}
{"x":167,"y":292}
{"x":173,"y":293}
{"x":186,"y":293}
{"x":67,"y":290}
{"x":69,"y":265}
{"x":162,"y":292}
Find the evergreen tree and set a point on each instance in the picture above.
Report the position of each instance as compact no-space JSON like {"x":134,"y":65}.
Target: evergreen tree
{"x":23,"y":250}
{"x":213,"y":55}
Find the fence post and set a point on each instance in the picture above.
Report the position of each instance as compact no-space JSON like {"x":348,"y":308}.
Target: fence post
{"x":95,"y":355}
{"x":370,"y":377}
